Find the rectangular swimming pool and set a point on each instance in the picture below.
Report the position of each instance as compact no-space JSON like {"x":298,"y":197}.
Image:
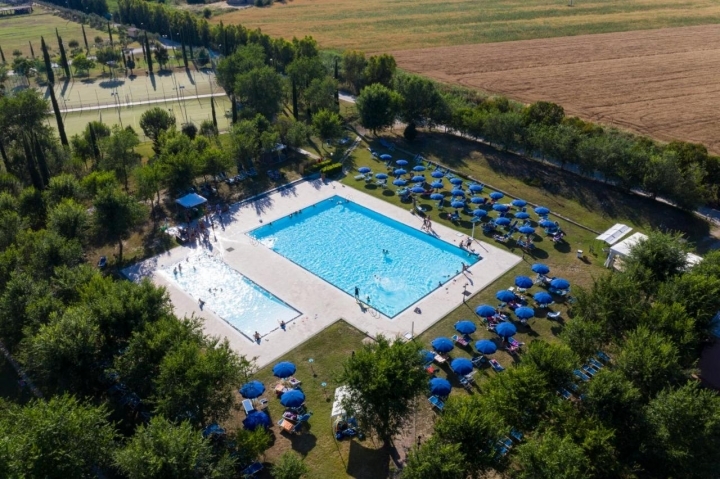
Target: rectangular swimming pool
{"x":349,"y":246}
{"x":240,"y":302}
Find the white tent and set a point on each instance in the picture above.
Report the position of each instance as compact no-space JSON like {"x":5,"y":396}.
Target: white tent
{"x":337,"y":408}
{"x":191,"y":200}
{"x":613,"y":234}
{"x":623,"y":248}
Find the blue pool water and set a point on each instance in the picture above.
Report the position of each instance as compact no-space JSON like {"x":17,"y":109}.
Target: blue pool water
{"x":343,"y":242}
{"x":243,"y":304}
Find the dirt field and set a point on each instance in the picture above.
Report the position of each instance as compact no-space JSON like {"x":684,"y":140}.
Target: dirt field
{"x":381,"y":25}
{"x":661,"y":83}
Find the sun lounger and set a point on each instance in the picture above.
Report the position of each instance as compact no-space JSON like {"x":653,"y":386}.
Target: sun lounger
{"x":581,"y":375}
{"x":252,"y":470}
{"x":496,"y":365}
{"x":466,"y":383}
{"x":440,"y":359}
{"x":261,"y":404}
{"x":501,"y":451}
{"x":430,"y":369}
{"x":514,"y":342}
{"x":437,"y":403}
{"x":359,"y":177}
{"x":590,"y":371}
{"x":460,"y":340}
{"x":248,"y":406}
{"x":567,"y":395}
{"x":507,"y":442}
{"x":478,"y":360}
{"x":597,"y":364}
{"x":603,"y":357}
{"x":517,"y":435}
{"x":294,"y":382}
{"x":554,"y":314}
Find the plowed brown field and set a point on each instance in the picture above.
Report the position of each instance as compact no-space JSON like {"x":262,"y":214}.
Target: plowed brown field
{"x":663,"y":83}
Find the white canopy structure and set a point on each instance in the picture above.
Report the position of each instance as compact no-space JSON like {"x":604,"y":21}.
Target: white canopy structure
{"x":613,"y":234}
{"x":191,"y":200}
{"x":623,"y":248}
{"x":337,"y":408}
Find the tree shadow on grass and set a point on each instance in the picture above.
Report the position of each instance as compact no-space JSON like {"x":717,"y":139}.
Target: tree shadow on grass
{"x":388,"y":193}
{"x":367,"y":462}
{"x":303,"y":443}
{"x":108,"y":84}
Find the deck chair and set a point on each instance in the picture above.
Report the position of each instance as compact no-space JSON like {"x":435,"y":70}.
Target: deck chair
{"x":460,"y":340}
{"x":581,"y":375}
{"x":565,"y":394}
{"x":517,"y":435}
{"x":603,"y":357}
{"x":437,"y":403}
{"x":252,"y":470}
{"x":554,"y":314}
{"x":248,"y":406}
{"x":496,"y":366}
{"x":598,"y":365}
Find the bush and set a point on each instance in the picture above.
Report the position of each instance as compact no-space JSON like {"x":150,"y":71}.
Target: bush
{"x":315,"y":167}
{"x":332,"y":169}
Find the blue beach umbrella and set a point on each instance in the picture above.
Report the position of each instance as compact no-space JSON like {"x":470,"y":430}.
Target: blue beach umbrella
{"x":456,"y":181}
{"x":479,"y":213}
{"x":440,"y":387}
{"x":386,"y":157}
{"x":401,"y":162}
{"x":437,"y":174}
{"x":506,"y":329}
{"x":418,"y":179}
{"x":477,"y":200}
{"x":442,"y":345}
{"x":465,"y":327}
{"x":457,"y":204}
{"x":560,"y":283}
{"x":526,"y":230}
{"x":437,"y":184}
{"x":522,"y":215}
{"x":399,"y":182}
{"x":292,"y":398}
{"x":417,"y":189}
{"x":461,"y":366}
{"x":543,"y":298}
{"x":542,"y":211}
{"x":540,"y":268}
{"x":399,"y":172}
{"x":523,"y":282}
{"x":499,"y":207}
{"x":364,"y":169}
{"x":475,"y":188}
{"x":419,"y":168}
{"x":427,"y":356}
{"x":519,"y":203}
{"x":457,"y":192}
{"x":437,"y":196}
{"x":252,"y":390}
{"x":486,"y":346}
{"x":485,"y":311}
{"x":496,"y":195}
{"x":255,"y":420}
{"x":547,"y":224}
{"x":381,"y":176}
{"x":284,"y":369}
{"x":524,"y":312}
{"x":505,"y":295}
{"x":502,"y":221}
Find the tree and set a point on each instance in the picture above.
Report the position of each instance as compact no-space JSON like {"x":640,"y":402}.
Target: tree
{"x":214,"y":117}
{"x":289,"y":466}
{"x":82,"y":64}
{"x":420,"y":98}
{"x":57,"y":437}
{"x":554,"y":360}
{"x":69,"y":219}
{"x":107,"y":56}
{"x":242,"y":60}
{"x":203,"y":57}
{"x":327,"y":124}
{"x":215,"y":161}
{"x":432,"y":459}
{"x":208,"y":129}
{"x":2,"y":56}
{"x":354,"y":63}
{"x":73,"y":44}
{"x":320,"y":95}
{"x":662,"y":255}
{"x":58,"y":117}
{"x":550,"y":455}
{"x":521,"y":385}
{"x":683,"y":429}
{"x":87,"y":47}
{"x":48,"y":64}
{"x":63,"y":57}
{"x":543,"y":113}
{"x":380,"y":69}
{"x":383,"y":379}
{"x":260,"y":91}
{"x":23,"y":66}
{"x":161,"y":55}
{"x":189,"y":130}
{"x":697,"y":291}
{"x":649,"y":360}
{"x":116,"y":216}
{"x":377,"y":106}
{"x":155,"y":121}
{"x":162,"y":449}
{"x":148,"y":179}
{"x":119,"y":152}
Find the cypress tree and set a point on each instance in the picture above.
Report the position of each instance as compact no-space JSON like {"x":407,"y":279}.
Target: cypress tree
{"x":58,"y":117}
{"x":3,"y":154}
{"x":234,"y":110}
{"x":212,"y":106}
{"x":48,"y":64}
{"x":149,"y":54}
{"x":337,"y":90}
{"x":94,"y":144}
{"x":294,"y":100}
{"x":63,"y":58}
{"x":110,"y":35}
{"x":41,"y":161}
{"x":30,"y":165}
{"x":87,"y":47}
{"x":32,"y":51}
{"x":2,"y":56}
{"x":225,"y":42}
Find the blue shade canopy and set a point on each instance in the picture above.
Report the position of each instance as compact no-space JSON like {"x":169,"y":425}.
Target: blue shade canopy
{"x":541,"y":210}
{"x":479,"y":213}
{"x":477,"y":200}
{"x":418,"y":179}
{"x":461,"y":366}
{"x":419,"y":168}
{"x":417,"y":189}
{"x":255,"y":420}
{"x":381,"y":176}
{"x":399,"y":172}
{"x":427,"y":356}
{"x":543,"y":298}
{"x":437,"y":184}
{"x":519,"y":203}
{"x":475,"y":188}
{"x":505,"y":330}
{"x":540,"y":268}
{"x":440,"y":387}
{"x":292,"y":398}
{"x":457,"y":204}
{"x":499,"y":207}
{"x":560,"y":283}
{"x":526,"y":230}
{"x":252,"y":390}
{"x":524,"y":312}
{"x":485,"y":310}
{"x":457,"y":192}
{"x":547,"y":224}
{"x":284,"y":369}
{"x":437,"y":174}
{"x":486,"y":346}
{"x":465,"y":327}
{"x":523,"y":282}
{"x":401,"y":162}
{"x":496,"y":195}
{"x":442,"y":345}
{"x":522,"y":215}
{"x":364,"y":169}
{"x":456,"y":181}
{"x":505,"y":295}
{"x":386,"y":157}
{"x":399,"y":182}
{"x":502,"y":221}
{"x":437,"y":196}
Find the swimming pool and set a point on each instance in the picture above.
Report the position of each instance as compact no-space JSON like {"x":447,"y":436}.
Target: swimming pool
{"x":243,"y":304}
{"x":351,"y":246}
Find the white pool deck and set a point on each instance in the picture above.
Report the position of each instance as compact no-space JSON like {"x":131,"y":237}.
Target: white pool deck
{"x":320,"y":303}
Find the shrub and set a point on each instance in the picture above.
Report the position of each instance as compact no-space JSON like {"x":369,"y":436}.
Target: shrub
{"x":332,"y":169}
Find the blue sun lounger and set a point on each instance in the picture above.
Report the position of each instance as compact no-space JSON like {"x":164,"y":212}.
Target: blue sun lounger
{"x":581,"y":375}
{"x":437,"y":403}
{"x":252,"y":470}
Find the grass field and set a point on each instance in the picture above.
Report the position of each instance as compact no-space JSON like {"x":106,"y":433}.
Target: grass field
{"x":386,"y":25}
{"x":17,"y":31}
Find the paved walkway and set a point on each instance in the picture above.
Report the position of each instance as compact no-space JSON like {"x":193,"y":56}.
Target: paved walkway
{"x":320,"y":303}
